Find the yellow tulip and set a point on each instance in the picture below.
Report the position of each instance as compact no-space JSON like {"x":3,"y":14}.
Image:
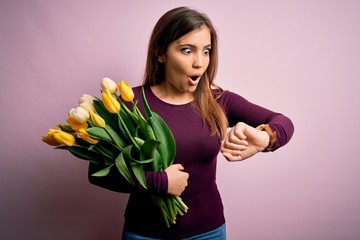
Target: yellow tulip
{"x":62,"y":137}
{"x":84,"y":135}
{"x":110,"y":103}
{"x":50,"y":140}
{"x":126,"y":91}
{"x":75,"y":125}
{"x":79,"y":114}
{"x":98,"y":121}
{"x":108,"y":84}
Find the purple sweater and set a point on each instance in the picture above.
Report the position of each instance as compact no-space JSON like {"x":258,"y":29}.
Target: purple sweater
{"x":197,"y":151}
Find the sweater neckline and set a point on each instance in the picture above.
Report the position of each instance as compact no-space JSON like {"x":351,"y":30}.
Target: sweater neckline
{"x":151,"y":94}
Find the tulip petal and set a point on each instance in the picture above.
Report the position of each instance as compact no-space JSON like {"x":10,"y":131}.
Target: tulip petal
{"x":126,"y":91}
{"x":110,"y":103}
{"x":50,"y":140}
{"x":86,"y":98}
{"x":108,"y":84}
{"x":64,"y":138}
{"x":97,"y":120}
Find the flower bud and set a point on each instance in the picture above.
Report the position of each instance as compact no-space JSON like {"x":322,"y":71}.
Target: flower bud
{"x":62,"y":137}
{"x":49,"y":139}
{"x":110,"y":103}
{"x":98,"y":121}
{"x":126,"y":91}
{"x":108,"y":84}
{"x":75,"y":125}
{"x":85,"y":136}
{"x":79,"y":114}
{"x":87,"y":106}
{"x":86,"y":98}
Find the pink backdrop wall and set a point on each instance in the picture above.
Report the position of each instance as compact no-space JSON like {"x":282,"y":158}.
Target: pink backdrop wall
{"x":298,"y":57}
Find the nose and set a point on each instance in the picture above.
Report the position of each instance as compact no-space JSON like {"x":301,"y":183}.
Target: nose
{"x":198,"y":61}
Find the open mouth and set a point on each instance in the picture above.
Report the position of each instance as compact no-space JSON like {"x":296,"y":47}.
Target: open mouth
{"x":194,"y":78}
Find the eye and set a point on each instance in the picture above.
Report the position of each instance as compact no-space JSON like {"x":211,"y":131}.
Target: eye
{"x":207,"y":51}
{"x":186,"y":50}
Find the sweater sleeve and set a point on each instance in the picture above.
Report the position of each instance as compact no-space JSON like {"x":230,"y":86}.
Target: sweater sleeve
{"x":157,"y":182}
{"x":238,"y":109}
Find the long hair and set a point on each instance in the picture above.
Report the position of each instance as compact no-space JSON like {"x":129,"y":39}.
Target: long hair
{"x":170,"y":27}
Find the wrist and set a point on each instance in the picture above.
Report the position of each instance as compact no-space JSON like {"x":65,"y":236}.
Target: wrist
{"x":272,"y":136}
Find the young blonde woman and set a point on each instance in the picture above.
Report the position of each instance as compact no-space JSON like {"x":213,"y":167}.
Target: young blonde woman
{"x":179,"y":86}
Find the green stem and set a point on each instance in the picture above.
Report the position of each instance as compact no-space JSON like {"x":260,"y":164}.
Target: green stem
{"x":160,"y":202}
{"x":182,"y":204}
{"x":128,"y":132}
{"x":171,"y":209}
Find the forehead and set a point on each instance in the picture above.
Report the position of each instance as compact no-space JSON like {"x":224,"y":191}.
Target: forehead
{"x":199,"y":36}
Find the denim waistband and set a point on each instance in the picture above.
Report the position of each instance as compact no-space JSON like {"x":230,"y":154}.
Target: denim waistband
{"x":216,"y":234}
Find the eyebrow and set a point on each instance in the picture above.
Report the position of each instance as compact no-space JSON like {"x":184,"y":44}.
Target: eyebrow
{"x":193,"y":46}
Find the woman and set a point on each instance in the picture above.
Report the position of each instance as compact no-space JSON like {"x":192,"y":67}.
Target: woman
{"x":180,"y":70}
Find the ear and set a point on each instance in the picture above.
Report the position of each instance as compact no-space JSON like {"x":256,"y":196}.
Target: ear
{"x":161,"y":58}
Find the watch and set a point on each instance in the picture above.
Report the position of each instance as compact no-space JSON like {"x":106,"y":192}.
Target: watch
{"x":272,"y":135}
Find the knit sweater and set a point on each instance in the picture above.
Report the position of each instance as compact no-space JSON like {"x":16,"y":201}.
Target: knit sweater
{"x":197,"y":151}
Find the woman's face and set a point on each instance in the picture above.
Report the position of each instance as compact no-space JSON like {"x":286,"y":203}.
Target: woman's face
{"x":186,"y":60}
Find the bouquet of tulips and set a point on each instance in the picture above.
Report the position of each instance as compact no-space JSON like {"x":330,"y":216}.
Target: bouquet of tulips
{"x":105,"y":131}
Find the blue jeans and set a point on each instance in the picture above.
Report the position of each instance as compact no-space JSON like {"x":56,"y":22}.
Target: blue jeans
{"x":216,"y":234}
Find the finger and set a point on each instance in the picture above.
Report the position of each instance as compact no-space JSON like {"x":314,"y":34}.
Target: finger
{"x":235,"y":140}
{"x":238,"y":131}
{"x":235,"y":146}
{"x":231,"y":152}
{"x":231,"y":157}
{"x":179,"y":166}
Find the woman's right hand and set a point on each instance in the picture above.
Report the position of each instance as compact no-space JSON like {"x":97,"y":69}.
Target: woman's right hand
{"x":177,"y":179}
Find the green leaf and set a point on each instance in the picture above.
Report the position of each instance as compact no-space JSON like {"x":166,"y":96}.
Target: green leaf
{"x":145,"y":103}
{"x":128,"y":121}
{"x":81,"y":142}
{"x":138,"y":171}
{"x":116,"y":137}
{"x":106,"y":149}
{"x":107,"y":134}
{"x":146,"y":130}
{"x":137,"y":168}
{"x":166,"y":151}
{"x":131,"y":114}
{"x":167,"y":148}
{"x":66,"y":128}
{"x":148,"y":148}
{"x":145,"y":161}
{"x":103,"y":172}
{"x":82,"y":153}
{"x":157,"y":163}
{"x":99,"y":133}
{"x":129,"y":134}
{"x":139,"y":141}
{"x":122,"y":167}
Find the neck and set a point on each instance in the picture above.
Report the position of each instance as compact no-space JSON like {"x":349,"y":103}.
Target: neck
{"x":164,"y":93}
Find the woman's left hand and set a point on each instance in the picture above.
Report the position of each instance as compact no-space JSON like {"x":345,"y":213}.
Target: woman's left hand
{"x":243,"y":141}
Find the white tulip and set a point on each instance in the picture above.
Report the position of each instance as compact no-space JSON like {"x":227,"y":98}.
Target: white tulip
{"x":86,"y":98}
{"x":79,"y":114}
{"x":87,"y":106}
{"x":108,"y":84}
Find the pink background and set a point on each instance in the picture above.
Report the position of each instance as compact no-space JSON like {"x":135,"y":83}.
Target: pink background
{"x":297,"y":57}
